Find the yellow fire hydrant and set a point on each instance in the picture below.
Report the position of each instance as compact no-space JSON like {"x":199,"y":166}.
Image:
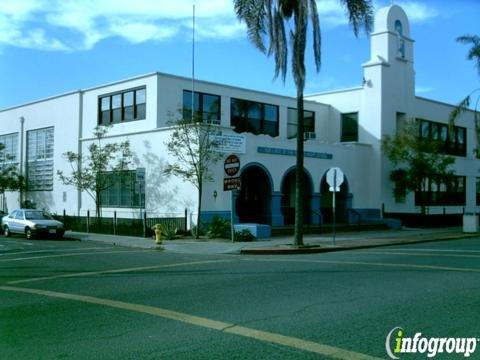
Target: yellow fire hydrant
{"x":158,"y":228}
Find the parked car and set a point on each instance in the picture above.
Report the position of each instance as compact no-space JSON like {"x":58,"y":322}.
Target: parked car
{"x":31,"y":223}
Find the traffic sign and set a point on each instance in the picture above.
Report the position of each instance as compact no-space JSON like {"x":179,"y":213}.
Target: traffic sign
{"x":233,"y":183}
{"x":335,"y":178}
{"x":232,"y":165}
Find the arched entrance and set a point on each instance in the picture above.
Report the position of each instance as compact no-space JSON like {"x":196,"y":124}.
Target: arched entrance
{"x":341,"y":202}
{"x":254,"y":199}
{"x":288,"y":197}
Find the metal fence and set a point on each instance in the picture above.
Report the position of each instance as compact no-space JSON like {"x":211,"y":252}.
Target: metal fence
{"x":122,"y":226}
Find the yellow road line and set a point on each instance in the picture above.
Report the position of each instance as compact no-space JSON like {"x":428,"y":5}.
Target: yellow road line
{"x":73,"y":254}
{"x":114,"y":271}
{"x":365,"y":263}
{"x":417,"y":254}
{"x":288,"y":341}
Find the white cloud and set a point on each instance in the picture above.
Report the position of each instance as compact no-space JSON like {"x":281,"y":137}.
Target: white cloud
{"x":418,"y":12}
{"x":423,"y":89}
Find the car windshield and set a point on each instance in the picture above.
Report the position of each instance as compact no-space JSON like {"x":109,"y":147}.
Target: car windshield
{"x":36,"y":215}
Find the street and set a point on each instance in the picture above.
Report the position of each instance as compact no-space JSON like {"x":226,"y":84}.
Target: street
{"x":84,"y":300}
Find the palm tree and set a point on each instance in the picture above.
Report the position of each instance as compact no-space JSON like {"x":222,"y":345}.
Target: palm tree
{"x":267,"y":24}
{"x":464,"y":105}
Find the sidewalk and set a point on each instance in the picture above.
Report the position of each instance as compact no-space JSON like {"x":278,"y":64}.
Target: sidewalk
{"x":283,"y":245}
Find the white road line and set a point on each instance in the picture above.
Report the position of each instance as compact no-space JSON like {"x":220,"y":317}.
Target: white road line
{"x":417,"y":254}
{"x":365,"y":263}
{"x":57,"y":250}
{"x":115,"y":271}
{"x":432,"y":250}
{"x":75,"y":254}
{"x":259,"y":335}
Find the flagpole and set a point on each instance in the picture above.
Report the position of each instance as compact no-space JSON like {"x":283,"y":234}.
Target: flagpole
{"x":193,"y":62}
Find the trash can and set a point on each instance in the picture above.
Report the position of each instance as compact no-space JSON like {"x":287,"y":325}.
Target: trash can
{"x":470,"y":223}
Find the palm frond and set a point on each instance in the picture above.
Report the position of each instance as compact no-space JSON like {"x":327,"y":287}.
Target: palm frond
{"x":299,"y":39}
{"x":317,"y":39}
{"x":474,"y":52}
{"x":360,"y":14}
{"x":280,"y":46}
{"x":253,"y":13}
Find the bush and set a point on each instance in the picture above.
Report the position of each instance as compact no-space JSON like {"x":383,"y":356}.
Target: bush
{"x":169,"y":234}
{"x":243,"y":236}
{"x":219,"y":228}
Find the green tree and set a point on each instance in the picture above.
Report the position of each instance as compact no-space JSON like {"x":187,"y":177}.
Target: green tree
{"x":10,"y":179}
{"x":88,"y":171}
{"x":191,"y":143}
{"x":416,"y":160}
{"x":464,"y":105}
{"x":277,"y":27}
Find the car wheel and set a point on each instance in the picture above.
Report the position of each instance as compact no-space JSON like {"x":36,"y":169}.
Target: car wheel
{"x":28,"y":233}
{"x":6,"y":231}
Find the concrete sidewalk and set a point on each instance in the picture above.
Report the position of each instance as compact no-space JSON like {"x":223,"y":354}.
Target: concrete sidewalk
{"x":283,"y":245}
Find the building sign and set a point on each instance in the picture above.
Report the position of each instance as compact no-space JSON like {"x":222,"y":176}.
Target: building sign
{"x":232,"y":167}
{"x":291,"y":152}
{"x":229,"y":143}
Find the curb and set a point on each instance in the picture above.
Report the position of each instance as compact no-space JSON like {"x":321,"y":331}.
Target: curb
{"x":319,"y":249}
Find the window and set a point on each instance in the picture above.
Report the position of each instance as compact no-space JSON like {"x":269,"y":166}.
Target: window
{"x":450,"y":141}
{"x":443,"y":192}
{"x":123,"y":190}
{"x":254,"y":117}
{"x":122,"y":106}
{"x":478,"y":191}
{"x":9,"y":153}
{"x":206,"y":106}
{"x":308,"y":121}
{"x":349,"y":127}
{"x":40,"y":159}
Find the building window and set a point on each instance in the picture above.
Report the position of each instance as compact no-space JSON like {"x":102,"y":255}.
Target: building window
{"x":254,"y":117}
{"x":122,"y":190}
{"x":206,"y":107}
{"x":478,"y":191}
{"x":450,"y":141}
{"x":40,"y":159}
{"x":308,"y":121}
{"x":9,"y":155}
{"x":349,"y":127}
{"x":441,"y":193}
{"x":122,"y":106}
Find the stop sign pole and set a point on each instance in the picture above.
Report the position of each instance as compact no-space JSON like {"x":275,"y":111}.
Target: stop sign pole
{"x":232,"y":167}
{"x":335,"y":178}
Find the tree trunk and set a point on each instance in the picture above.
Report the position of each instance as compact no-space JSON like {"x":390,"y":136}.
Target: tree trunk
{"x":197,"y":235}
{"x":299,"y":190}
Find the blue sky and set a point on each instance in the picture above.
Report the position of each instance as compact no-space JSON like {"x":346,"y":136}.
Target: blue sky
{"x":48,"y":47}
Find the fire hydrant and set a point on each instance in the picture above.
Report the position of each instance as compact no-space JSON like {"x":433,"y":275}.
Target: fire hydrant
{"x":158,"y":228}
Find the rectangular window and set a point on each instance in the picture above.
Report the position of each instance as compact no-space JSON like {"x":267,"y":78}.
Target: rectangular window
{"x":123,"y":190}
{"x":206,"y":107}
{"x":349,"y":127}
{"x":478,"y":191}
{"x":443,"y":193}
{"x":9,"y":155}
{"x":254,"y":117}
{"x":40,"y":159}
{"x":122,"y":106}
{"x":450,"y":141}
{"x":308,"y":121}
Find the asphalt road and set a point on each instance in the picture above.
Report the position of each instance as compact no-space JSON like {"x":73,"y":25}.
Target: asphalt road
{"x":75,"y":300}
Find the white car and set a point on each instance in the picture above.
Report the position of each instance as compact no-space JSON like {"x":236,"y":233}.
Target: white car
{"x":30,"y":222}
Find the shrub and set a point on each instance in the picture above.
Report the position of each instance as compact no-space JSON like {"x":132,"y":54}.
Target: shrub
{"x":219,"y":228}
{"x":243,"y":236}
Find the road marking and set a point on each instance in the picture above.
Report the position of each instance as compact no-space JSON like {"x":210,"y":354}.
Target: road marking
{"x":418,"y":254}
{"x":283,"y":340}
{"x":341,"y":262}
{"x":56,"y":250}
{"x":439,"y":250}
{"x":74,"y":254}
{"x":115,"y":271}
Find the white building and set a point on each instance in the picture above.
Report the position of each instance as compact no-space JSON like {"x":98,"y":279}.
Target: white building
{"x":343,"y":127}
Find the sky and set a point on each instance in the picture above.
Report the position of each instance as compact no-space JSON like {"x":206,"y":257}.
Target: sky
{"x":50,"y":47}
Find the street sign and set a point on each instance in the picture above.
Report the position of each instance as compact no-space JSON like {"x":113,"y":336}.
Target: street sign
{"x":140,"y":174}
{"x":233,"y":183}
{"x":232,"y":165}
{"x":335,"y":178}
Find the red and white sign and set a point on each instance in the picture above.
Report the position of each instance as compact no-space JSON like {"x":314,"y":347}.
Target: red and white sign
{"x":232,"y":165}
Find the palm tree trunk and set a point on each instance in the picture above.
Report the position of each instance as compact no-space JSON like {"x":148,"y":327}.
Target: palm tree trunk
{"x":299,"y":198}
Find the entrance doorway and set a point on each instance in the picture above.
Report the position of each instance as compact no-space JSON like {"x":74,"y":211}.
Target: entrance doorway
{"x":288,"y":198}
{"x":254,"y":198}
